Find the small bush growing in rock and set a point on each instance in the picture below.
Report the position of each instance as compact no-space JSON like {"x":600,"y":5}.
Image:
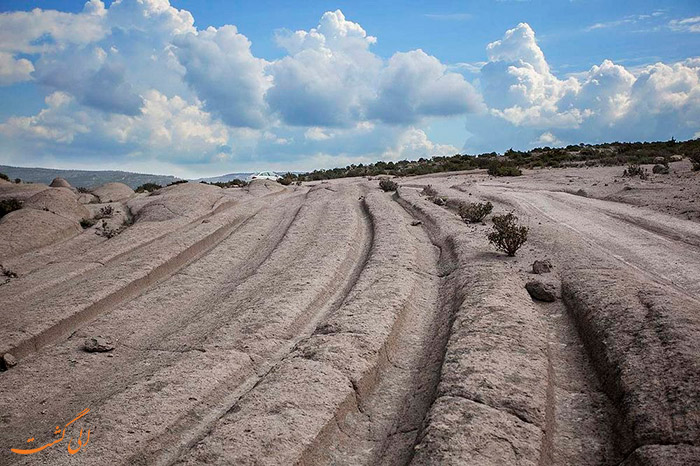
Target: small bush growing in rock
{"x":4,"y":177}
{"x":387,"y":185}
{"x":497,"y":168}
{"x":507,"y":235}
{"x":660,"y":169}
{"x":429,"y":191}
{"x":636,"y":170}
{"x":8,"y":205}
{"x":18,"y":180}
{"x":148,"y":188}
{"x":105,"y":212}
{"x":87,"y":223}
{"x":474,"y":212}
{"x":82,"y":190}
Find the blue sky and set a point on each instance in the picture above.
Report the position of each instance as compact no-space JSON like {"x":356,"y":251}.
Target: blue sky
{"x":197,"y":88}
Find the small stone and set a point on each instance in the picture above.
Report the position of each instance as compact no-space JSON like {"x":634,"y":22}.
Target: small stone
{"x":7,"y":361}
{"x":97,"y":345}
{"x":541,"y":291}
{"x":415,"y":223}
{"x":543,"y":266}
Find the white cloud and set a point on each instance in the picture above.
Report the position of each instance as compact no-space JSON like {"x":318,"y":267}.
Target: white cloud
{"x":414,"y":143}
{"x":317,"y":134}
{"x":226,"y":76}
{"x":547,"y":139}
{"x":607,"y":102}
{"x":686,"y":24}
{"x":14,"y":70}
{"x":414,"y":85}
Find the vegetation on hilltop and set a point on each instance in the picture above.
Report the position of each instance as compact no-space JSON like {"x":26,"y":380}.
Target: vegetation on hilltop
{"x":510,"y":163}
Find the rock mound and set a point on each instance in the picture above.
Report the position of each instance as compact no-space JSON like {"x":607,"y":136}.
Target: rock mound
{"x":113,"y":192}
{"x":27,"y":229}
{"x":262,"y":187}
{"x":189,"y":200}
{"x":60,"y":201}
{"x":59,"y":182}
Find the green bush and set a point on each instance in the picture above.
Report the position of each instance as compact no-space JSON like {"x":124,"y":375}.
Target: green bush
{"x":87,"y":223}
{"x":8,"y":205}
{"x":507,"y":235}
{"x":82,"y":190}
{"x":148,"y":188}
{"x":474,"y":212}
{"x":4,"y":177}
{"x":105,"y":212}
{"x":497,"y":168}
{"x":387,"y":185}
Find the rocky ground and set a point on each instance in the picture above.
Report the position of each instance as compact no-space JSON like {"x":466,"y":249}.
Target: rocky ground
{"x":333,"y":323}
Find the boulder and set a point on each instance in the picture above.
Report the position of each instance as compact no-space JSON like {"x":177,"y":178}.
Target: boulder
{"x":97,"y":345}
{"x":113,"y":192}
{"x":543,"y":266}
{"x":541,"y":291}
{"x":676,"y":158}
{"x":59,"y":182}
{"x":7,"y":361}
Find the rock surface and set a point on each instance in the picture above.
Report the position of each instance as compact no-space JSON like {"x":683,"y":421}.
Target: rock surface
{"x":113,"y":192}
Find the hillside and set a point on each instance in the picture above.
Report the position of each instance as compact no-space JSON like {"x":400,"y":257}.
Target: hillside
{"x":84,"y":178}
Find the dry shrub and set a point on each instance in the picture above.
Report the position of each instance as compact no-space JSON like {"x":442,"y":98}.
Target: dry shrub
{"x":507,"y":235}
{"x":474,"y":212}
{"x":636,"y":170}
{"x":429,"y":191}
{"x":387,"y":185}
{"x":8,"y":205}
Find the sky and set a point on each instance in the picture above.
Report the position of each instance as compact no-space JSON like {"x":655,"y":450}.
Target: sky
{"x":193,"y":88}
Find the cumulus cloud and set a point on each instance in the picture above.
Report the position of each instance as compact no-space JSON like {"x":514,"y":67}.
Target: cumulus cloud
{"x":414,"y":143}
{"x":138,"y":81}
{"x":337,"y":81}
{"x":222,"y":70}
{"x":328,"y":76}
{"x":14,"y":70}
{"x":606,"y":102}
{"x":415,"y":85}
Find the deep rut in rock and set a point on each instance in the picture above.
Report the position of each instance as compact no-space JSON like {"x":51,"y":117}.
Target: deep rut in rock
{"x":387,"y":422}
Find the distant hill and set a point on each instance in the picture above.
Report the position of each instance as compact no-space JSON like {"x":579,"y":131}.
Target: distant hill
{"x":226,"y":178}
{"x":84,"y":178}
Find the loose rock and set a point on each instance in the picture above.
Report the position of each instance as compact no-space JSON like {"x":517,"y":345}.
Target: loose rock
{"x":97,"y":345}
{"x":7,"y":361}
{"x":415,"y":223}
{"x":541,"y":291}
{"x":543,"y":266}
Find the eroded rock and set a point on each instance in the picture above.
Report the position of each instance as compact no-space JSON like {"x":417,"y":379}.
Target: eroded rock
{"x":7,"y":361}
